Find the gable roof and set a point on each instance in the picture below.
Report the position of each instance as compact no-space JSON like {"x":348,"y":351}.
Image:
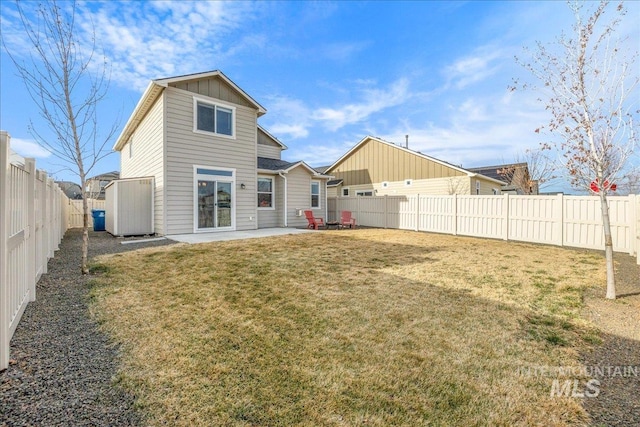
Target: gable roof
{"x":276,"y":165}
{"x":273,"y":138}
{"x":155,"y":88}
{"x":492,"y":171}
{"x":415,"y":153}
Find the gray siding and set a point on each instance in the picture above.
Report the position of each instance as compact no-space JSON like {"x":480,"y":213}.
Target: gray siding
{"x":186,"y":148}
{"x":299,"y":196}
{"x":148,"y":158}
{"x":269,"y":152}
{"x":267,"y":147}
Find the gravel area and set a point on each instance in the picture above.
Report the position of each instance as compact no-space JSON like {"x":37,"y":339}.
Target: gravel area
{"x":62,"y":367}
{"x":618,"y":401}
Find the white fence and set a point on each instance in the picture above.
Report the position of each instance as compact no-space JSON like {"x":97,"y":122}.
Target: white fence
{"x":555,"y":220}
{"x":33,"y":220}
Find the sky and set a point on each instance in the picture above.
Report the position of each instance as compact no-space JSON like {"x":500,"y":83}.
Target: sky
{"x":328,"y":73}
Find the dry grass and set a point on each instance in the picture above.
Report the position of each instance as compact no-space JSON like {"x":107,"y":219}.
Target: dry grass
{"x":370,"y":327}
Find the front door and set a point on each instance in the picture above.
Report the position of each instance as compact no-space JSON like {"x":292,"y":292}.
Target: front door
{"x":215,"y":202}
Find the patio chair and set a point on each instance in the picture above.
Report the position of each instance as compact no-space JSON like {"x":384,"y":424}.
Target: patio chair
{"x":313,"y":221}
{"x":346,"y":220}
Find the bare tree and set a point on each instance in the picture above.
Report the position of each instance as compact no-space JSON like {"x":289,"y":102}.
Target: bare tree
{"x":67,"y":80}
{"x":529,"y":172}
{"x":590,"y":86}
{"x":457,"y":185}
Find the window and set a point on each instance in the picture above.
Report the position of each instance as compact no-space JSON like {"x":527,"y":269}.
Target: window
{"x":364,"y":193}
{"x":213,"y":118}
{"x":408,"y":182}
{"x":315,"y":194}
{"x":477,"y":187}
{"x":265,"y":193}
{"x":345,"y":192}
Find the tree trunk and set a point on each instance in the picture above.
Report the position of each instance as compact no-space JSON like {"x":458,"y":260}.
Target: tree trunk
{"x":85,"y":229}
{"x":608,"y":246}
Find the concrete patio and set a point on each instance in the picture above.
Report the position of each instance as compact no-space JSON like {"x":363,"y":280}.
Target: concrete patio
{"x":236,"y":235}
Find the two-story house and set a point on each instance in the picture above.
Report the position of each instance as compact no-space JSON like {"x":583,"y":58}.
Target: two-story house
{"x":215,"y":168}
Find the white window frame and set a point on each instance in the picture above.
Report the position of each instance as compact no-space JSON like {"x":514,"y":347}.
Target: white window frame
{"x":364,"y":193}
{"x":315,"y":182}
{"x":273,"y":193}
{"x":408,"y":182}
{"x":212,"y":177}
{"x":345,"y":190}
{"x":477,"y":188}
{"x":215,"y":104}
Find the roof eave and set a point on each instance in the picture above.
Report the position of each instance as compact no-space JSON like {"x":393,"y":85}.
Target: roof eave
{"x":142,"y":108}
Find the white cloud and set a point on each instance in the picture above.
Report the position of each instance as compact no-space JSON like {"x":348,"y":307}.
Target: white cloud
{"x":29,"y":148}
{"x":287,"y":117}
{"x":373,"y":101}
{"x":476,"y":132}
{"x":144,"y":41}
{"x":480,"y":65}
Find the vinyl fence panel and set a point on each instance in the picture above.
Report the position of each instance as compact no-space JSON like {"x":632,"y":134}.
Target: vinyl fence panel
{"x":32,"y":223}
{"x":555,"y":220}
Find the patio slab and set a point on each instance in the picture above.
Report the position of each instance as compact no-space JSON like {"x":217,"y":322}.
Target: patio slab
{"x":236,"y":235}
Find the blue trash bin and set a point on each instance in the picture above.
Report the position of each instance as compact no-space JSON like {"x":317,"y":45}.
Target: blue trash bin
{"x":98,"y":219}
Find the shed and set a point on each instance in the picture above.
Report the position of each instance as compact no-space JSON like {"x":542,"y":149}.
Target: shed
{"x":129,"y":206}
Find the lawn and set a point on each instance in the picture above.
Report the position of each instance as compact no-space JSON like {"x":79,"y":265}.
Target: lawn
{"x":342,"y":328}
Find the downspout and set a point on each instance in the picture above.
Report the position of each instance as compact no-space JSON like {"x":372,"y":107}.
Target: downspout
{"x":282,"y":175}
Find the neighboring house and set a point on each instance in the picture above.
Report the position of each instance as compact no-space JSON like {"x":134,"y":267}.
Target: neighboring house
{"x":515,"y":175}
{"x":374,"y":167}
{"x":215,"y":168}
{"x":94,"y":186}
{"x":72,"y":190}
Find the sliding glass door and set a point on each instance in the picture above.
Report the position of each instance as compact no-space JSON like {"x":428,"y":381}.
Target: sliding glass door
{"x":215,"y":200}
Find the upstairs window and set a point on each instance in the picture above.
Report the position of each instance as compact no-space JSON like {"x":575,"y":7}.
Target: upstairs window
{"x":213,"y":118}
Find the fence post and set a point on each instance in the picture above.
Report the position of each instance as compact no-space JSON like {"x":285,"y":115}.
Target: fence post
{"x":44,"y":238}
{"x":30,"y":237}
{"x":558,"y":219}
{"x":455,"y":214}
{"x":386,"y":210}
{"x":4,"y":236}
{"x":417,"y":212}
{"x":505,"y":226}
{"x":637,"y":229}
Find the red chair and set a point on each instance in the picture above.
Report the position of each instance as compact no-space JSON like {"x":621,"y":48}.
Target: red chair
{"x":313,"y":222}
{"x":346,"y":220}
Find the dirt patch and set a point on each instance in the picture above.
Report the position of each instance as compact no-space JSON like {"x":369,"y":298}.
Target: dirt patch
{"x":617,"y":403}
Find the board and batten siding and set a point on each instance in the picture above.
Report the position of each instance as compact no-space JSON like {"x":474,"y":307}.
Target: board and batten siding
{"x":213,"y":87}
{"x":185,"y":148}
{"x":148,"y":158}
{"x":375,"y":162}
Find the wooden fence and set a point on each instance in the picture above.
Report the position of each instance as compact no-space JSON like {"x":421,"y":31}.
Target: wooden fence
{"x":75,"y":212}
{"x":33,"y":220}
{"x":555,"y":220}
